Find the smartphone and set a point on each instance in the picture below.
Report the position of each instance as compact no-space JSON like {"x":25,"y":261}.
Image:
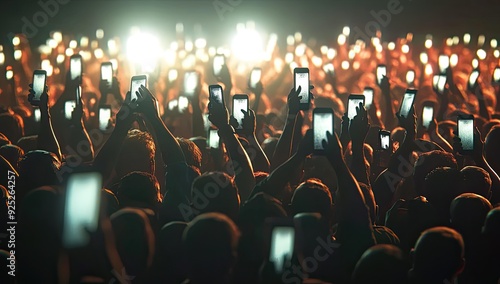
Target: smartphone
{"x":78,"y":97}
{"x":255,"y":77}
{"x":329,"y":68}
{"x":216,"y":94}
{"x":81,"y":210}
{"x":37,"y":115}
{"x":173,"y":104}
{"x":69,"y":106}
{"x":182,"y":104}
{"x":435,"y":80}
{"x":427,"y":115}
{"x":410,"y":77}
{"x":407,"y":102}
{"x":39,"y":82}
{"x":368,"y":93}
{"x":9,"y":73}
{"x":496,"y":76}
{"x":107,"y":73}
{"x":104,"y":116}
{"x":76,"y":67}
{"x":173,"y":74}
{"x":240,"y":102}
{"x":322,"y":123}
{"x":385,"y":139}
{"x":135,"y":84}
{"x":282,"y":245}
{"x":465,"y":127}
{"x":473,"y":79}
{"x":190,"y":83}
{"x":219,"y":61}
{"x":444,"y":63}
{"x":441,"y":84}
{"x":301,"y":78}
{"x":213,"y":139}
{"x":381,"y":72}
{"x":353,"y":103}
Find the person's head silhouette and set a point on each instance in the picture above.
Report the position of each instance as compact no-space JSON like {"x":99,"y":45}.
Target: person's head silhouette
{"x":137,"y":154}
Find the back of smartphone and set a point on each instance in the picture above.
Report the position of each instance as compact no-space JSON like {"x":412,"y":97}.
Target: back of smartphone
{"x":81,"y":209}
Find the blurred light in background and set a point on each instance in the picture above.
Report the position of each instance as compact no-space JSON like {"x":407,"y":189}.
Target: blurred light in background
{"x":99,"y":33}
{"x":496,"y":53}
{"x":16,"y":41}
{"x":200,"y":43}
{"x":18,"y":54}
{"x":346,"y":31}
{"x":453,"y":60}
{"x":290,"y":40}
{"x":424,"y":58}
{"x":57,"y":36}
{"x":324,"y":49}
{"x":428,"y":69}
{"x":300,"y":50}
{"x":456,"y":40}
{"x":480,"y":40}
{"x":84,"y":42}
{"x":331,"y":53}
{"x":493,"y":43}
{"x":341,"y":40}
{"x":466,"y":38}
{"x":391,"y":45}
{"x":428,"y":43}
{"x":475,"y":63}
{"x":2,"y":58}
{"x":345,"y":65}
{"x":449,"y":41}
{"x":481,"y":54}
{"x":60,"y":58}
{"x":405,"y":48}
{"x":69,"y":52}
{"x":289,"y":58}
{"x":298,"y":37}
{"x":98,"y":53}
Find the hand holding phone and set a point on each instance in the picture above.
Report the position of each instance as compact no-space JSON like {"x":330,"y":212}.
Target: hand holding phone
{"x":381,"y":72}
{"x":368,"y":93}
{"x":191,"y":79}
{"x":104,"y":117}
{"x":69,"y":106}
{"x":135,"y":84}
{"x":385,"y":140}
{"x":219,"y":62}
{"x":352,"y":103}
{"x":213,"y":139}
{"x":410,"y":77}
{"x":427,"y":116}
{"x":39,"y":82}
{"x":407,"y":103}
{"x":216,"y":94}
{"x":322,"y":123}
{"x":107,"y":73}
{"x":240,"y":102}
{"x":76,"y":68}
{"x":301,"y":79}
{"x":282,"y":243}
{"x":472,"y":83}
{"x":444,"y":63}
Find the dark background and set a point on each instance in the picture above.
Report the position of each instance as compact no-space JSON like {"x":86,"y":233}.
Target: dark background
{"x":316,"y":18}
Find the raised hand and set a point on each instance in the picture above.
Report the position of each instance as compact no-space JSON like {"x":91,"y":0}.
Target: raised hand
{"x":294,"y":101}
{"x":306,"y":145}
{"x":359,"y":126}
{"x":147,"y":103}
{"x":409,"y":123}
{"x":344,"y":131}
{"x":248,"y":122}
{"x":385,"y":86}
{"x":218,"y":115}
{"x":333,"y":148}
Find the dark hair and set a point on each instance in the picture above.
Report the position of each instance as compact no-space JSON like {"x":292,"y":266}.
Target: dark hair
{"x":477,"y":180}
{"x":312,"y":196}
{"x":136,"y":147}
{"x":191,"y":152}
{"x":429,"y":161}
{"x":139,"y":189}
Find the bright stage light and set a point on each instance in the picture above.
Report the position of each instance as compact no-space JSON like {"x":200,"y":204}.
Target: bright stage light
{"x":144,"y":49}
{"x":247,"y":45}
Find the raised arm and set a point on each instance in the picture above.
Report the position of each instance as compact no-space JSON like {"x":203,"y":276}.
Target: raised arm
{"x":79,"y":138}
{"x":358,"y":131}
{"x":240,"y":161}
{"x":46,"y":138}
{"x":284,"y":145}
{"x":257,"y":156}
{"x":389,"y":119}
{"x":354,"y":224}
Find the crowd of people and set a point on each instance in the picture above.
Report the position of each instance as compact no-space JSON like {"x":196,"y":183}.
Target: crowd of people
{"x":176,"y":209}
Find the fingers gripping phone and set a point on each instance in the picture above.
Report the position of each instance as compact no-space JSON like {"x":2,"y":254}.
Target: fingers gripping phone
{"x":216,"y":94}
{"x":301,"y":79}
{"x":104,"y":117}
{"x":465,"y":127}
{"x":81,"y":209}
{"x":322,"y":123}
{"x":352,"y":103}
{"x":240,"y":102}
{"x":39,"y":82}
{"x":76,"y":67}
{"x":385,"y":139}
{"x":407,"y":103}
{"x":135,"y":84}
{"x":368,"y":93}
{"x":69,"y":106}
